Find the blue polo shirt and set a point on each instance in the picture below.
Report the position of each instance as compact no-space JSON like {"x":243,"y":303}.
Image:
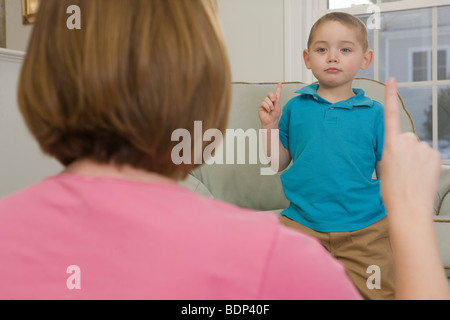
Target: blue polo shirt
{"x":334,"y":148}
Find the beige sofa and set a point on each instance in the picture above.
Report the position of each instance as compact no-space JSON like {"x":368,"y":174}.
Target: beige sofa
{"x":243,"y":184}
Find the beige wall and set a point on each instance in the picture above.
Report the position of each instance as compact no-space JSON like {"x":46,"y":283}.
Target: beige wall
{"x":17,"y":34}
{"x":254,"y":32}
{"x":21,"y":161}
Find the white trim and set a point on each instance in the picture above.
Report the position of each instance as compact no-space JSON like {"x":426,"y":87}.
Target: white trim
{"x":392,"y":6}
{"x":376,"y":52}
{"x":434,"y":78}
{"x":435,"y":121}
{"x":387,"y":64}
{"x":299,"y":16}
{"x":435,"y":46}
{"x":11,"y":55}
{"x":424,"y":83}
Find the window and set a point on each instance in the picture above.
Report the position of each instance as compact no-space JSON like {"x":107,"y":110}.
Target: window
{"x":411,"y":42}
{"x":422,"y":67}
{"x":443,"y":64}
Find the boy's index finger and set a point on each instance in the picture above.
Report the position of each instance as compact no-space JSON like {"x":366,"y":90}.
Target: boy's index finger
{"x":279,"y":88}
{"x":391,"y":112}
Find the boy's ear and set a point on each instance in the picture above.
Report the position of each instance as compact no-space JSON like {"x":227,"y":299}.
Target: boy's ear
{"x":306,"y":59}
{"x":368,"y":58}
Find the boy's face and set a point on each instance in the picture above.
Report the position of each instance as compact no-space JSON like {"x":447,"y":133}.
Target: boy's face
{"x":336,"y":54}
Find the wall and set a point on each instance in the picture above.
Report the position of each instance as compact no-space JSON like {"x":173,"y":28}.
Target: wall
{"x":254,"y":33}
{"x":17,"y":34}
{"x":21,"y":161}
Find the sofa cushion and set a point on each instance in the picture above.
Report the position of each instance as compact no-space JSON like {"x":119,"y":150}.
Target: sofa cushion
{"x":243,"y":184}
{"x":192,"y":183}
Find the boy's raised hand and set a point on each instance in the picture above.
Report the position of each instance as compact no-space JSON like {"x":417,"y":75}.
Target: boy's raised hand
{"x":270,"y":110}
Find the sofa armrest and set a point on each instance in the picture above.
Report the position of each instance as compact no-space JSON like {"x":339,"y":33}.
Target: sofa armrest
{"x":442,"y":201}
{"x":442,"y":217}
{"x":193,"y":184}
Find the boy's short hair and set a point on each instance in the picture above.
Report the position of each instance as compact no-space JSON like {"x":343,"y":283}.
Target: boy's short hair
{"x":116,"y":90}
{"x":347,"y":20}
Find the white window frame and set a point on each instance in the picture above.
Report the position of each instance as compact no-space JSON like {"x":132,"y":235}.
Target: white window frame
{"x":300,"y":15}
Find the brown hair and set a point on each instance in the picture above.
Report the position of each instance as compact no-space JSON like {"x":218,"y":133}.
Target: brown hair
{"x":116,"y":90}
{"x":347,"y":20}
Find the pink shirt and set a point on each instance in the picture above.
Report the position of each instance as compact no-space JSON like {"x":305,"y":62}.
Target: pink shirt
{"x":74,"y":237}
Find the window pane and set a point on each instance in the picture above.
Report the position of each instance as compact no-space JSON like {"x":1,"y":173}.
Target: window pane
{"x":444,"y":121}
{"x":420,"y":66}
{"x":444,"y":43}
{"x":369,"y":73}
{"x":339,"y":4}
{"x":405,"y":38}
{"x":418,"y":102}
{"x":442,"y":65}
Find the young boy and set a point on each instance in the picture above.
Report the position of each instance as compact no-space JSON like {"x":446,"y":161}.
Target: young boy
{"x":334,"y":134}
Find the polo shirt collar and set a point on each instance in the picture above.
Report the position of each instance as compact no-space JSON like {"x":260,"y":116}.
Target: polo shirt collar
{"x":359,"y":100}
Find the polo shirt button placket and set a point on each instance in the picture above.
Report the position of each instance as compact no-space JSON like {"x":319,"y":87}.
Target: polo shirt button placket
{"x":331,"y":116}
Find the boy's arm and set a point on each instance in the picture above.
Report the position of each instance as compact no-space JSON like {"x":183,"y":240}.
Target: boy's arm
{"x":269,"y":113}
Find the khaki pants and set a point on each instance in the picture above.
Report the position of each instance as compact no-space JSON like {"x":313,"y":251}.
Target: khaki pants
{"x":366,"y":255}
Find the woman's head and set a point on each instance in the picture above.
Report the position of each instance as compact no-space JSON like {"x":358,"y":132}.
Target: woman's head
{"x":115,"y":90}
